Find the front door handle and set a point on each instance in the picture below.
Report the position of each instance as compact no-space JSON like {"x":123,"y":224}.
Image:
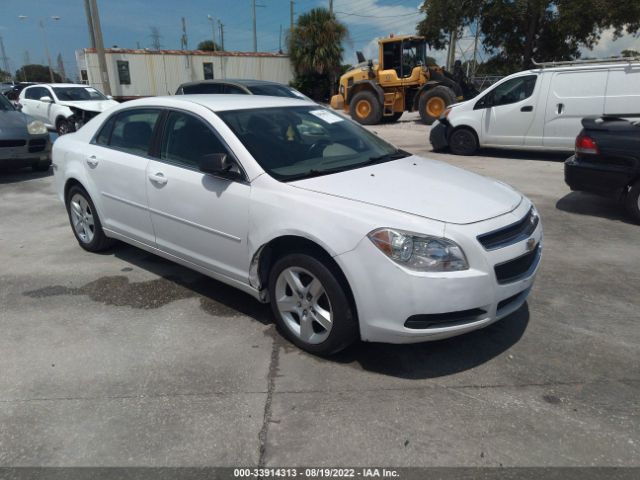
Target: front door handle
{"x":158,"y":178}
{"x":92,"y":161}
{"x":560,"y":107}
{"x":527,"y":108}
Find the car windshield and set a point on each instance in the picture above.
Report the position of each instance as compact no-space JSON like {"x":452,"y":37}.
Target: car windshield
{"x":5,"y":104}
{"x":275,"y":91}
{"x":74,"y":94}
{"x":292,"y":143}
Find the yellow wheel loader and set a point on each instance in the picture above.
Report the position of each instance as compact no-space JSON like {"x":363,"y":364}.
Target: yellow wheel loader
{"x":401,"y":80}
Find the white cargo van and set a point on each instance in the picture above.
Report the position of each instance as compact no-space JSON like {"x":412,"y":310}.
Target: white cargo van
{"x":540,"y":108}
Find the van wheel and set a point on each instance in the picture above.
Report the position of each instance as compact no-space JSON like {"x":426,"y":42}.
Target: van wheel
{"x":85,"y":222}
{"x":365,"y":108}
{"x":633,"y":202}
{"x":463,"y":141}
{"x":434,"y":102}
{"x":310,"y":305}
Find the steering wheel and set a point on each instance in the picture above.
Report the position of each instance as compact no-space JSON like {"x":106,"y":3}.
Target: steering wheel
{"x":318,"y":147}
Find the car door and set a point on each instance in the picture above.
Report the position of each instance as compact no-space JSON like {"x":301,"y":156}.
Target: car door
{"x":116,"y":164}
{"x":509,"y":111}
{"x":198,"y":217}
{"x":572,"y":96}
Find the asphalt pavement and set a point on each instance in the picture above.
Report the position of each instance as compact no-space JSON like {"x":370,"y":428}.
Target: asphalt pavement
{"x":125,"y":359}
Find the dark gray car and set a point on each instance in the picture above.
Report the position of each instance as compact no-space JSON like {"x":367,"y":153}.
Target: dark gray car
{"x":240,"y":87}
{"x":23,"y":140}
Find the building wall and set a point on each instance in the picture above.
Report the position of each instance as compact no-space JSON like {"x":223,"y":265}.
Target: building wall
{"x":154,"y":73}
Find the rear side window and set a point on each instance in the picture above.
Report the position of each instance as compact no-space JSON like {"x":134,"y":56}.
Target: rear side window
{"x":203,"y":88}
{"x":187,"y":139}
{"x":514,"y":90}
{"x":132,"y":131}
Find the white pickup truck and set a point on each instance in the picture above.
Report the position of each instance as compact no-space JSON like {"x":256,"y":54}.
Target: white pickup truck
{"x":63,"y":107}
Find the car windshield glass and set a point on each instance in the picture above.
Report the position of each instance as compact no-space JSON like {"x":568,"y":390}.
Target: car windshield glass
{"x":5,"y":104}
{"x":74,"y":94}
{"x":272,"y":90}
{"x":292,"y":143}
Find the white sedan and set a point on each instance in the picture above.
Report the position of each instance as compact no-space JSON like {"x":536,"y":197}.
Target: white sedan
{"x":344,"y":234}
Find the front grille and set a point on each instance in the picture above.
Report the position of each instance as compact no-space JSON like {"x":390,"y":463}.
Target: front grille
{"x":12,"y":143}
{"x":517,"y":268}
{"x":37,"y":145}
{"x":510,"y":234}
{"x":441,"y":320}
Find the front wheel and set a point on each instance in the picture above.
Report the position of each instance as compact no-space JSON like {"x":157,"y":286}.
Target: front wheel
{"x":633,"y":202}
{"x":365,"y":108}
{"x":85,"y":222}
{"x":310,"y":304}
{"x":463,"y":141}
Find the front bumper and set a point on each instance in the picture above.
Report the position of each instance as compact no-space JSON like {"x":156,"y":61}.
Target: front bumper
{"x":392,"y":301}
{"x":598,"y":178}
{"x":26,"y":151}
{"x":438,"y":135}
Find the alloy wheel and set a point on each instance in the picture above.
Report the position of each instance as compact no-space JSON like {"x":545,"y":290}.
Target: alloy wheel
{"x":82,"y":218}
{"x":304,"y":305}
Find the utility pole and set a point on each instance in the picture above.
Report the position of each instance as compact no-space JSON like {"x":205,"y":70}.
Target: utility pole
{"x":102,"y":59}
{"x":184,"y":40}
{"x":291,"y":15}
{"x":255,"y":34}
{"x":331,"y":6}
{"x":475,"y":47}
{"x":61,"y":71}
{"x":5,"y":59}
{"x":46,"y":50}
{"x":279,"y":40}
{"x":451,"y":57}
{"x":221,"y":27}
{"x":155,"y":38}
{"x":87,"y":11}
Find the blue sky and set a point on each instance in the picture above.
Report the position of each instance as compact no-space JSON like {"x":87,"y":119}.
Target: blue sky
{"x":126,"y":23}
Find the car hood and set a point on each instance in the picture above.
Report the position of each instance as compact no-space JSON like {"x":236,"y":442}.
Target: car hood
{"x":13,"y":122}
{"x":90,"y":105}
{"x":422,"y":187}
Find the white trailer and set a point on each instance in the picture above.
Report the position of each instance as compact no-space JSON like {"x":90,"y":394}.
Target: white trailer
{"x":144,"y":73}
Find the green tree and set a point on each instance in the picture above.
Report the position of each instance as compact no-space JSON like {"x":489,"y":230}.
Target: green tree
{"x":315,"y":45}
{"x":630,"y":53}
{"x":36,"y":73}
{"x":4,"y":76}
{"x":519,"y":31}
{"x":209,"y":45}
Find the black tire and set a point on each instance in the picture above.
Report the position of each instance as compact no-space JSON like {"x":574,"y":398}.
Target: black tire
{"x":392,"y":118}
{"x":632,"y":202}
{"x":463,"y":141}
{"x":440,"y":95}
{"x":63,"y":127}
{"x":344,"y":325}
{"x":41,"y":166}
{"x":99,"y":241}
{"x":365,"y":108}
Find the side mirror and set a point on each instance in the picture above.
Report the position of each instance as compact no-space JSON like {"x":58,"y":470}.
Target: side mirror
{"x":217,"y":164}
{"x":46,"y":99}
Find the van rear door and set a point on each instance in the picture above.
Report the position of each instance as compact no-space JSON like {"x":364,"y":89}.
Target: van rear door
{"x":623,"y":91}
{"x":572,"y":96}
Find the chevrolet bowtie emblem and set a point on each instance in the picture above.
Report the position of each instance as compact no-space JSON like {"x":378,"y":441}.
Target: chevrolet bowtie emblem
{"x":531,"y":244}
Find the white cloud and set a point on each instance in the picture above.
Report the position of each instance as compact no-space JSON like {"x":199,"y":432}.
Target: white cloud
{"x":608,"y":47}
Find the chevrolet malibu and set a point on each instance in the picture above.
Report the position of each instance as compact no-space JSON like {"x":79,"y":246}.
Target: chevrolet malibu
{"x":345,"y":235}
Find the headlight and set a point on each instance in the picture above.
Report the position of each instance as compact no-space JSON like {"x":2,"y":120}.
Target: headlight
{"x":419,"y":252}
{"x":36,"y":127}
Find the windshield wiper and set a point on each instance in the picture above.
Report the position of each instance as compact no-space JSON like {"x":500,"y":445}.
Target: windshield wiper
{"x":387,"y":157}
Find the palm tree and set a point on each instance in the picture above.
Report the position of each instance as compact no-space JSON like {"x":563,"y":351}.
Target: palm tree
{"x":315,"y":44}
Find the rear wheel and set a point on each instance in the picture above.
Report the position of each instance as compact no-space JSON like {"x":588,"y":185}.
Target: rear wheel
{"x":463,"y":141}
{"x":85,"y":222}
{"x":365,"y":108}
{"x":434,"y":102}
{"x":633,"y":202}
{"x":310,"y":304}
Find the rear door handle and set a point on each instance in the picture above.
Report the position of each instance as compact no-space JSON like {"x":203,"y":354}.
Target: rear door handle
{"x":158,"y":178}
{"x":92,"y":161}
{"x":527,"y":108}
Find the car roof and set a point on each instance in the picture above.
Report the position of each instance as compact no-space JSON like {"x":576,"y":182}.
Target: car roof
{"x":236,"y":81}
{"x":220,"y":103}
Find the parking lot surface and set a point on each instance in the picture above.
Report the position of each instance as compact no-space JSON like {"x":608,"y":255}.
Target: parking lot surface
{"x":125,"y":359}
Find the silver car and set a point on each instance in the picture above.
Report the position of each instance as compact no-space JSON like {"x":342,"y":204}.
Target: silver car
{"x":23,"y":140}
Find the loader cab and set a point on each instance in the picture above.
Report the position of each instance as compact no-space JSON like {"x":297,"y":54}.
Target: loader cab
{"x":402,"y":55}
